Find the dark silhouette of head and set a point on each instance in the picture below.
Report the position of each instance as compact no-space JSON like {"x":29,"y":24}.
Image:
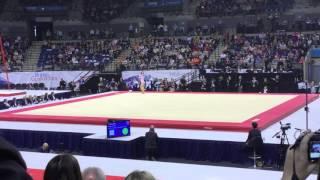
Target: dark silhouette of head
{"x":140,"y":175}
{"x":152,"y":128}
{"x":63,"y":167}
{"x":12,"y":165}
{"x":254,"y":125}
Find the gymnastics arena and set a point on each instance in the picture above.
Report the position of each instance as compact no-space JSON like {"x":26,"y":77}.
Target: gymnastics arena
{"x":229,"y":112}
{"x":77,"y":120}
{"x":159,"y":89}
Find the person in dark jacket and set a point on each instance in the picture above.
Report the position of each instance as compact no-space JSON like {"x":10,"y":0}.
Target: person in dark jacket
{"x":12,"y":166}
{"x":151,"y":143}
{"x":14,"y":102}
{"x":254,"y":140}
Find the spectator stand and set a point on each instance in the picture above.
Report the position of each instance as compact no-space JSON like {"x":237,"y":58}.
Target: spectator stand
{"x":210,"y":8}
{"x":79,"y":55}
{"x":169,"y":53}
{"x":15,"y":52}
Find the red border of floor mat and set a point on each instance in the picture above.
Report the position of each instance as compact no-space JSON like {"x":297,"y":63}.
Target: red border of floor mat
{"x":12,"y":94}
{"x":37,"y":174}
{"x":264,"y":119}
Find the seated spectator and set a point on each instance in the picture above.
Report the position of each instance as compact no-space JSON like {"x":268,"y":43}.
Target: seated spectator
{"x":72,"y":86}
{"x":45,"y":148}
{"x":122,"y":86}
{"x":45,"y":97}
{"x":36,"y":99}
{"x":12,"y":165}
{"x":25,"y":101}
{"x":52,"y":96}
{"x":93,"y":173}
{"x":63,"y":84}
{"x":6,"y":104}
{"x":14,"y":103}
{"x":63,"y":167}
{"x":30,"y":100}
{"x":254,"y":140}
{"x":140,"y":175}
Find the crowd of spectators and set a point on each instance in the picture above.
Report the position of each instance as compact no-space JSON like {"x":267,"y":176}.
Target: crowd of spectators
{"x":208,"y":8}
{"x":160,"y":85}
{"x":231,"y":82}
{"x":263,"y":84}
{"x":276,"y":52}
{"x":169,"y":53}
{"x":15,"y":49}
{"x":269,"y":52}
{"x":102,"y":11}
{"x":80,"y":55}
{"x":27,"y":100}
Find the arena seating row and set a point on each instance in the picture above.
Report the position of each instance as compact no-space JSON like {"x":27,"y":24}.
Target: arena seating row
{"x":208,"y":8}
{"x":15,"y":49}
{"x":170,"y":53}
{"x":267,"y":51}
{"x":79,"y":55}
{"x":44,"y":2}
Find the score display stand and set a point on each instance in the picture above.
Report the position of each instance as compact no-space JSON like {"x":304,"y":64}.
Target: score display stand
{"x":118,"y":128}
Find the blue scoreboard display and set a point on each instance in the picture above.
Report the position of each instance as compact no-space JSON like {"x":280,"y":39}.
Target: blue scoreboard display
{"x":118,"y":128}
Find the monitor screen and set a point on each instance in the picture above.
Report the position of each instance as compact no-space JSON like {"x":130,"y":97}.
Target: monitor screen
{"x":118,"y":128}
{"x":314,"y":150}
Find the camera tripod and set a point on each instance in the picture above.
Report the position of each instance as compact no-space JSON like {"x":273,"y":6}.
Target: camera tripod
{"x":283,"y":146}
{"x":306,"y":108}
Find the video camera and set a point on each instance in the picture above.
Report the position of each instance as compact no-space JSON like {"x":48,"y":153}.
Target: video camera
{"x":285,"y":127}
{"x":314,"y":147}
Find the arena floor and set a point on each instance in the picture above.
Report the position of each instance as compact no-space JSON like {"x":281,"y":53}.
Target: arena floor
{"x":216,"y":111}
{"x":117,"y":169}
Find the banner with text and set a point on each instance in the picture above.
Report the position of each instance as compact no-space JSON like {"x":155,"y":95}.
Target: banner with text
{"x":132,"y":77}
{"x":51,"y":79}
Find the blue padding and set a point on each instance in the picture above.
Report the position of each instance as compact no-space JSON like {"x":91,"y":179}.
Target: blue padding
{"x":34,"y":139}
{"x":195,"y":150}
